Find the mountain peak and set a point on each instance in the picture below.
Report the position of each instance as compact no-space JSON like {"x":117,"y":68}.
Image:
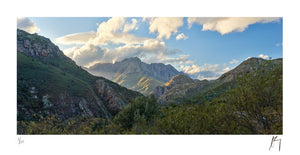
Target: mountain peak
{"x":132,"y":59}
{"x":135,"y":74}
{"x":179,"y":79}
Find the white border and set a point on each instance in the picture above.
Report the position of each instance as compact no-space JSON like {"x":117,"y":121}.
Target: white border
{"x":106,"y":144}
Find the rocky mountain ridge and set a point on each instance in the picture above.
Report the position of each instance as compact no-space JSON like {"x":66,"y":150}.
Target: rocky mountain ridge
{"x":49,"y":83}
{"x":134,"y":74}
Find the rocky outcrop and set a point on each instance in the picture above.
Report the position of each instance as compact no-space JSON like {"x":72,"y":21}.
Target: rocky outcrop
{"x":160,"y":90}
{"x":34,"y":45}
{"x":179,"y":79}
{"x":110,"y":97}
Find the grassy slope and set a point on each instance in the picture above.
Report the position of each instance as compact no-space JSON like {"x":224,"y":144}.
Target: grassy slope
{"x":48,"y":78}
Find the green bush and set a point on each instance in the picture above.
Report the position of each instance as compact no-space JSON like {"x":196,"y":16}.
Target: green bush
{"x":141,"y":109}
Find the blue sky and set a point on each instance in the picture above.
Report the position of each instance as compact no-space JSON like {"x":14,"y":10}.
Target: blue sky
{"x":204,"y":48}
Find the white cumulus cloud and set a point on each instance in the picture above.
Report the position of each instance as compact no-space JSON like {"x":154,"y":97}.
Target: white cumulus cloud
{"x":206,"y":71}
{"x":130,"y":26}
{"x":181,"y":36}
{"x":263,"y":56}
{"x":27,"y":25}
{"x":115,"y":31}
{"x":164,"y":26}
{"x":190,"y":69}
{"x":225,"y":25}
{"x":85,"y":55}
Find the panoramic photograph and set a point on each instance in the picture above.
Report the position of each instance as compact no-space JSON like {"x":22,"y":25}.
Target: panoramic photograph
{"x":149,"y":75}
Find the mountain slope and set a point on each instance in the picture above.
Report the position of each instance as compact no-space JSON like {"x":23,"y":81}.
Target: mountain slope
{"x":49,"y":83}
{"x":134,"y":74}
{"x":185,"y":90}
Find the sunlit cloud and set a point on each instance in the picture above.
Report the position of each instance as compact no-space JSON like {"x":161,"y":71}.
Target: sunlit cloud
{"x":27,"y":25}
{"x":225,"y":25}
{"x":130,"y":26}
{"x":263,"y":56}
{"x":190,"y":69}
{"x":164,"y":26}
{"x":206,"y":71}
{"x":181,"y":36}
{"x":85,"y":55}
{"x":76,"y":38}
{"x":115,"y":30}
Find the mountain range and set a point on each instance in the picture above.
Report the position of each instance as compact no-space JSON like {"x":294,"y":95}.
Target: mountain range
{"x":182,"y":87}
{"x":50,"y":83}
{"x":134,"y":74}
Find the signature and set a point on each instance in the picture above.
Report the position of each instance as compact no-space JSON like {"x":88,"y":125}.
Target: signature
{"x":274,"y":139}
{"x":20,"y":140}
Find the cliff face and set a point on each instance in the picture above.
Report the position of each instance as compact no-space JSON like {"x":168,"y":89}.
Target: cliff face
{"x":49,"y":83}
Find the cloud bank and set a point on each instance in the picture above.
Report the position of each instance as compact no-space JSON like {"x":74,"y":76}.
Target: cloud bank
{"x":113,"y":42}
{"x":206,"y":71}
{"x":225,"y":25}
{"x":115,"y":31}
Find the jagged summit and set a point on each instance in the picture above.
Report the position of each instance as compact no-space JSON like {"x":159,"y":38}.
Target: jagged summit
{"x":132,"y":59}
{"x":135,"y":74}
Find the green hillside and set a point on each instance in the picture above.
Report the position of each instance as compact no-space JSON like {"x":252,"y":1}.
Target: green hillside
{"x":49,"y":83}
{"x":253,"y":106}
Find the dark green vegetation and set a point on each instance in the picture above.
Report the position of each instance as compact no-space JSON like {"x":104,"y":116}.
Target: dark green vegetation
{"x":249,"y":104}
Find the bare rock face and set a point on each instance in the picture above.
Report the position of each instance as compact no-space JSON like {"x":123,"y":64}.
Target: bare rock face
{"x":111,"y":98}
{"x":36,"y":46}
{"x":160,"y":90}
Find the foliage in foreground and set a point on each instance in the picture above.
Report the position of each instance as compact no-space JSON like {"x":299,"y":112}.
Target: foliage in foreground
{"x":254,"y":106}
